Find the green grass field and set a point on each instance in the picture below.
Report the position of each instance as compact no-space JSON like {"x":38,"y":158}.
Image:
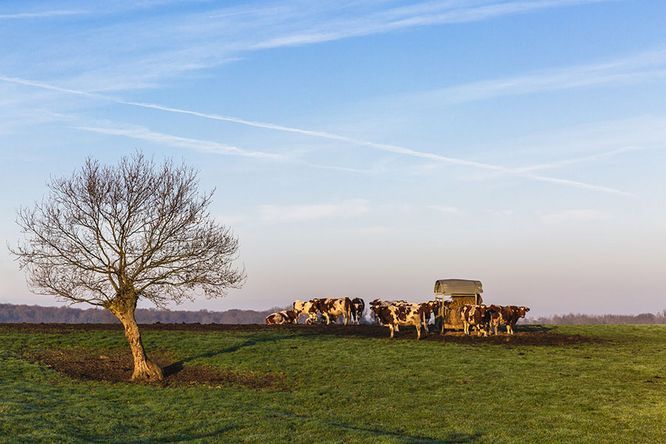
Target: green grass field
{"x":609,"y":385}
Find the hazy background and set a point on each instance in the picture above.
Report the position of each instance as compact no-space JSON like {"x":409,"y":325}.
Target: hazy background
{"x":367,"y":147}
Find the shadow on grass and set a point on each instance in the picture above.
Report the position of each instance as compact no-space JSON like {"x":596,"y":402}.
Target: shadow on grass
{"x":533,"y":328}
{"x":190,"y":434}
{"x":178,"y":366}
{"x":460,"y":438}
{"x":376,"y":432}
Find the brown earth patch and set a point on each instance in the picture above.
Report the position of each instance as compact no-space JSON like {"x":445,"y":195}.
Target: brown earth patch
{"x":116,"y":366}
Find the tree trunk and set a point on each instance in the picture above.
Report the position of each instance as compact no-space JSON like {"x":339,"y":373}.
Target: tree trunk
{"x":123,"y":307}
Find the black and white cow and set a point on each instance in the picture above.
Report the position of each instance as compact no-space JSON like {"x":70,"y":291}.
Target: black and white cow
{"x":475,"y":316}
{"x":332,"y":308}
{"x":282,"y":317}
{"x":357,"y":309}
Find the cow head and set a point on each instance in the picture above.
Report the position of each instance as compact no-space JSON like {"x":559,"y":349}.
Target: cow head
{"x":522,"y":311}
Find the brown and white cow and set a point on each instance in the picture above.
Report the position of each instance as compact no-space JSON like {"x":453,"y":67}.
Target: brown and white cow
{"x":282,"y":317}
{"x":357,"y":309}
{"x":475,"y":316}
{"x":393,"y":315}
{"x":428,"y":309}
{"x":494,"y":315}
{"x":332,"y":308}
{"x":511,"y":314}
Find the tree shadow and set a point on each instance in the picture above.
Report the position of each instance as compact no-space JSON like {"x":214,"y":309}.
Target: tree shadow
{"x":176,"y":367}
{"x":190,"y":434}
{"x":533,"y":328}
{"x":452,"y":438}
{"x":456,"y":437}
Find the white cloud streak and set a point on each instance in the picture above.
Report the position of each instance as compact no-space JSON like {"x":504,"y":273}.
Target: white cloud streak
{"x":42,"y":14}
{"x":393,"y":149}
{"x":205,"y":146}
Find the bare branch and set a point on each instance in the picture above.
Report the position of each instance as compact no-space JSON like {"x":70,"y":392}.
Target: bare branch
{"x":135,"y":228}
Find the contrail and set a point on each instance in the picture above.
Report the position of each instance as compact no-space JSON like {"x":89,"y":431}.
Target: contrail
{"x":394,"y":149}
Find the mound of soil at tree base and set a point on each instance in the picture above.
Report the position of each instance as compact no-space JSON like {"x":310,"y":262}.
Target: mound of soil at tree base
{"x":116,"y":366}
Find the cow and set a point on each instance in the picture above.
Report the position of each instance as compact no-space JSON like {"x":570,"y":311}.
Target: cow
{"x":377,"y":303}
{"x":510,"y":315}
{"x":308,"y":308}
{"x":357,"y":309}
{"x":393,"y":315}
{"x":374,"y":309}
{"x":333,"y":308}
{"x":406,"y":314}
{"x":428,"y":309}
{"x":494,"y":315}
{"x":475,"y":316}
{"x":282,"y":317}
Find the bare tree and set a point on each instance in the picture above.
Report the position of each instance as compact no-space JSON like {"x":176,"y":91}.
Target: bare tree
{"x":111,"y":235}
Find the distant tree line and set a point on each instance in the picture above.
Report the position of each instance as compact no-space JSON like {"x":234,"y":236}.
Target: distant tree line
{"x":10,"y":313}
{"x":586,"y":319}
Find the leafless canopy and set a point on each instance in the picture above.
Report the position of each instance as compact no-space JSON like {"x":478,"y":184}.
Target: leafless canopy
{"x":136,"y":228}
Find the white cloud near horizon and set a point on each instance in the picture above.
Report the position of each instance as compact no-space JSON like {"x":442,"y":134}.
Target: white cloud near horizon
{"x":276,"y":214}
{"x":445,"y":209}
{"x":586,"y":215}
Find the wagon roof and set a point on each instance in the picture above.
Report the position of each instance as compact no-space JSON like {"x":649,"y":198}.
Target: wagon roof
{"x":458,"y":286}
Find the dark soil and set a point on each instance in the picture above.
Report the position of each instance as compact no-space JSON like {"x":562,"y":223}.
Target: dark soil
{"x":531,"y":335}
{"x":116,"y":366}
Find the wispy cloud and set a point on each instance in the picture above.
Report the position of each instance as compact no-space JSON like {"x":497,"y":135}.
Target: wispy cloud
{"x":393,"y":149}
{"x":423,"y":14}
{"x":273,"y":214}
{"x":646,"y":66}
{"x":135,"y":54}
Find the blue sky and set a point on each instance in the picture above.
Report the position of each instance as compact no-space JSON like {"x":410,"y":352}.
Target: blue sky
{"x":367,"y":147}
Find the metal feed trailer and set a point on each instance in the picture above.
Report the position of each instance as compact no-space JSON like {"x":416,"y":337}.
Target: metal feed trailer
{"x":461,"y":292}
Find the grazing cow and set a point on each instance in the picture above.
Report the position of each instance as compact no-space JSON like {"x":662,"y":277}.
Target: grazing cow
{"x":282,"y":317}
{"x":394,"y":315}
{"x":308,"y":308}
{"x":510,"y":315}
{"x":357,"y":309}
{"x":334,"y":308}
{"x":475,"y":316}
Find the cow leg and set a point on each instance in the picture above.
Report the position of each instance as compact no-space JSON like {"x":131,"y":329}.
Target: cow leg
{"x":418,"y":331}
{"x":328,"y":319}
{"x":391,"y":329}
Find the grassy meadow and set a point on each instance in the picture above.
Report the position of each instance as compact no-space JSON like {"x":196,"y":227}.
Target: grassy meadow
{"x":599,"y":384}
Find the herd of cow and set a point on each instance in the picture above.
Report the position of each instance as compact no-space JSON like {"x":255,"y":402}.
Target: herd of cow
{"x":485,"y":319}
